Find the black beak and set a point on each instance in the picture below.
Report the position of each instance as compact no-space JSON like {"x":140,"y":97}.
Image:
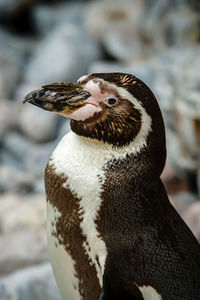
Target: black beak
{"x":63,"y":97}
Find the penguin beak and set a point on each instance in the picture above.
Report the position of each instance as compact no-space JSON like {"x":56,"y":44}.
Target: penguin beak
{"x":62,"y":98}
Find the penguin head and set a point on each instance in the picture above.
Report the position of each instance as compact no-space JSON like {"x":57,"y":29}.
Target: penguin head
{"x":113,"y":108}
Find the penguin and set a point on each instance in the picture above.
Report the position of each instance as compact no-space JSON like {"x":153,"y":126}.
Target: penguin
{"x":112,"y":232}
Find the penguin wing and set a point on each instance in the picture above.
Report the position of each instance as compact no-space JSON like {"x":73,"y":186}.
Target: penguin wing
{"x":117,"y":287}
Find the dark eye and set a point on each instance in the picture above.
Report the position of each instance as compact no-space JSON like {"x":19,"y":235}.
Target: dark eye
{"x":111,"y":101}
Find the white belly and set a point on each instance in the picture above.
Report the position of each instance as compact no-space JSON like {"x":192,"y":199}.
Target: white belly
{"x":81,"y":162}
{"x":61,"y":261}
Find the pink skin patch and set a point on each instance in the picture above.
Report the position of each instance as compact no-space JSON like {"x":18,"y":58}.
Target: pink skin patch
{"x":91,"y":105}
{"x":83,"y":113}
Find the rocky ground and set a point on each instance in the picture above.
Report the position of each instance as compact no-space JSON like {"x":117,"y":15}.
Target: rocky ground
{"x":48,"y":41}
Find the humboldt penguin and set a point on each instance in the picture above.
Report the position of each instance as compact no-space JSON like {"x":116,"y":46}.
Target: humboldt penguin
{"x":112,"y":232}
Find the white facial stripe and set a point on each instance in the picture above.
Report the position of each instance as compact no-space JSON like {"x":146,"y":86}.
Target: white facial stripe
{"x":141,"y":138}
{"x":82,"y":78}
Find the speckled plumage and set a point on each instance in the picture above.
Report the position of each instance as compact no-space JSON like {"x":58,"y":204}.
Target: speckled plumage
{"x":109,"y":217}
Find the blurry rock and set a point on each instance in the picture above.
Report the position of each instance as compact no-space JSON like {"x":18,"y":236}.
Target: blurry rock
{"x":182,"y":201}
{"x":37,"y":158}
{"x":117,"y":25}
{"x":174,"y":184}
{"x":12,"y":53}
{"x":178,"y":23}
{"x":37,"y":124}
{"x":15,"y":180}
{"x":33,"y":157}
{"x":9,"y":114}
{"x":192,"y":217}
{"x":23,"y":235}
{"x":63,"y":55}
{"x":143,"y":70}
{"x":46,"y":17}
{"x":17,"y":144}
{"x":22,"y":212}
{"x":64,"y":129}
{"x":30,"y":284}
{"x":12,"y":6}
{"x":21,"y":249}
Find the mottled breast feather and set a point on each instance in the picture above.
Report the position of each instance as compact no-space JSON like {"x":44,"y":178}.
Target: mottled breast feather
{"x":68,"y":233}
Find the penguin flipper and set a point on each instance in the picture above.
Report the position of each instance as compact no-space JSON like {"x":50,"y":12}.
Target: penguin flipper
{"x":116,"y":291}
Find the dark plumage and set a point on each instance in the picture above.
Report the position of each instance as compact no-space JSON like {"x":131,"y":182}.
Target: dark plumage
{"x":123,"y":230}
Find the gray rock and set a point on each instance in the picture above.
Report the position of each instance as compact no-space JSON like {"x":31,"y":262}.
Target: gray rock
{"x":129,"y":30}
{"x":191,"y":215}
{"x":63,"y":55}
{"x":37,"y":158}
{"x":10,"y":7}
{"x":17,"y":144}
{"x":32,"y":283}
{"x":47,"y":17}
{"x":37,"y":124}
{"x":178,"y":23}
{"x":64,"y":129}
{"x":22,"y":249}
{"x":32,"y":157}
{"x":22,"y":212}
{"x":182,"y":201}
{"x":23,"y":234}
{"x":116,"y":25}
{"x":144,"y":70}
{"x":15,"y":180}
{"x":12,"y":53}
{"x":9,"y":114}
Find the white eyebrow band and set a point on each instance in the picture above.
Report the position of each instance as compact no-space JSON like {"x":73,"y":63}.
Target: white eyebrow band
{"x":146,"y":122}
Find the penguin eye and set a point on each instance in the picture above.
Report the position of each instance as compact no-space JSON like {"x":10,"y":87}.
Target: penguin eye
{"x":111,"y":101}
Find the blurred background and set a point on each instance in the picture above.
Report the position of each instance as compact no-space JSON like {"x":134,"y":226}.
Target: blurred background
{"x":51,"y":41}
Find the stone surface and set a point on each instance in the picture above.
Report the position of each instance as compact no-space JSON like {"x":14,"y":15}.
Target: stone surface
{"x":9,"y":114}
{"x":116,"y":25}
{"x":143,"y":70}
{"x":129,"y":30}
{"x":46,"y":17}
{"x":22,"y":212}
{"x":178,"y":23}
{"x":21,"y":249}
{"x":63,"y":55}
{"x":15,"y":180}
{"x":13,"y":50}
{"x":37,"y":124}
{"x":30,"y":155}
{"x":22,"y":231}
{"x":191,"y":215}
{"x":30,"y":284}
{"x":182,"y":201}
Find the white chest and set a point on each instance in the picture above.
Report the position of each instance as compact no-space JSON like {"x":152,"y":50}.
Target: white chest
{"x":82,"y":165}
{"x":82,"y":161}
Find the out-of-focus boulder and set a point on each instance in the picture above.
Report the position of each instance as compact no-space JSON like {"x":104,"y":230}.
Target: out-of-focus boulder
{"x":13,"y":50}
{"x":37,"y":124}
{"x":191,"y":216}
{"x":22,"y":212}
{"x":30,"y":284}
{"x":63,"y":55}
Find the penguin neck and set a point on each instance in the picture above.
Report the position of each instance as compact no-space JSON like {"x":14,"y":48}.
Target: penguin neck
{"x":132,"y":194}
